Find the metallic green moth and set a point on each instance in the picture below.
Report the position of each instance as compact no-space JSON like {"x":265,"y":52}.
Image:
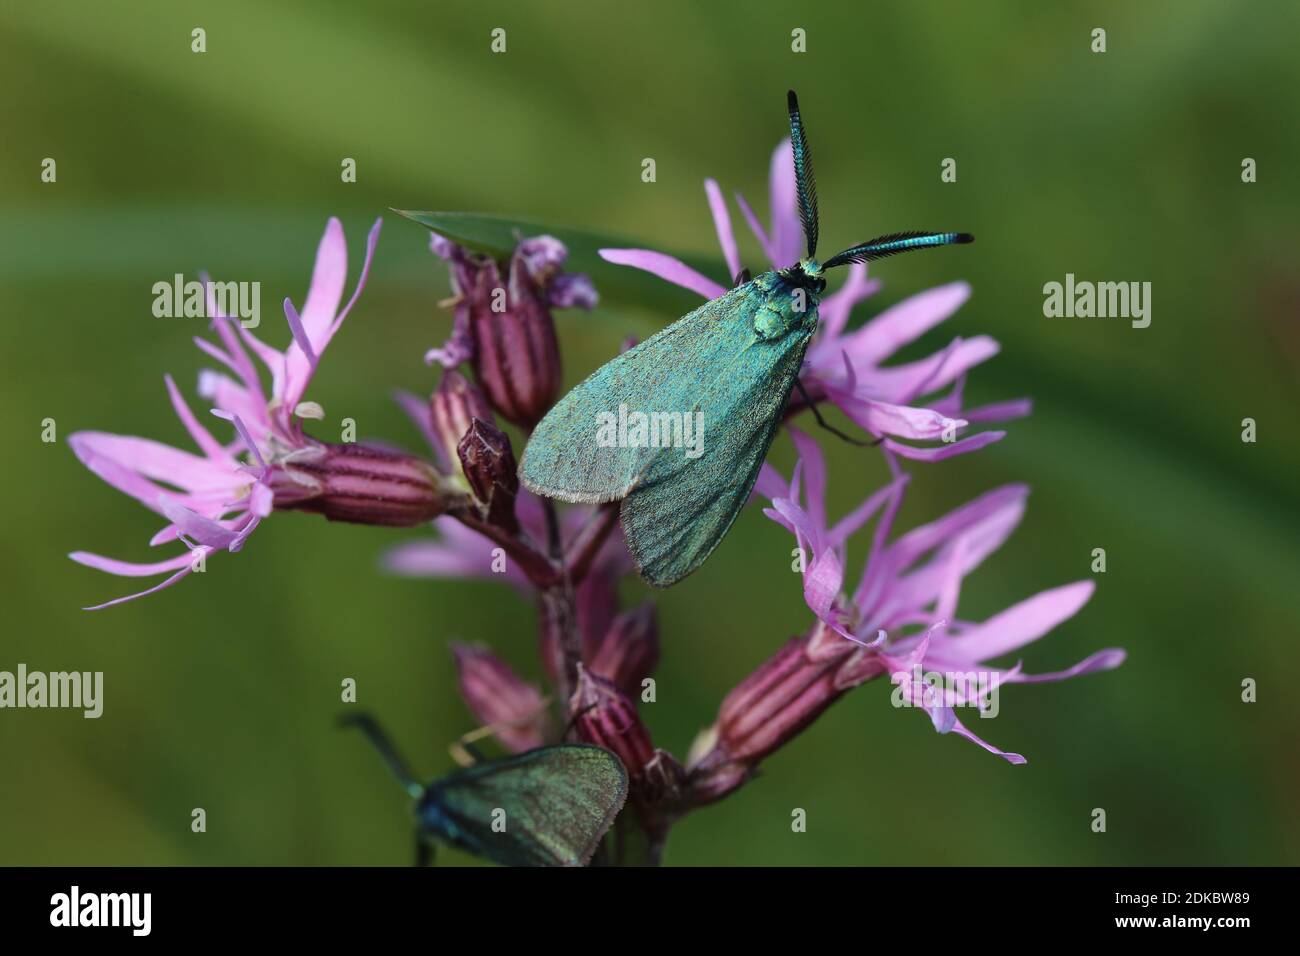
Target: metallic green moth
{"x":717,"y":381}
{"x":545,"y":807}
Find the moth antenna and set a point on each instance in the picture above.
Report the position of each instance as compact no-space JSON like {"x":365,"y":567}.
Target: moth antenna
{"x":379,"y":740}
{"x":894,"y":243}
{"x":805,"y":181}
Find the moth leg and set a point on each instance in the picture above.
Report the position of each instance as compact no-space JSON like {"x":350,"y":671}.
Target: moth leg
{"x":812,"y":406}
{"x":463,"y":750}
{"x":424,"y":850}
{"x":742,"y":277}
{"x":466,"y":754}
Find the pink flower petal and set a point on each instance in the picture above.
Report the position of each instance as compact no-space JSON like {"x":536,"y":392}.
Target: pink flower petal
{"x":999,"y":412}
{"x":130,"y":569}
{"x":182,"y":573}
{"x":665,"y":267}
{"x":903,"y":323}
{"x":755,"y":227}
{"x":835,"y":309}
{"x":961,"y":730}
{"x":884,"y":418}
{"x":813,"y":469}
{"x":417,"y":409}
{"x":1020,"y":624}
{"x":949,"y":450}
{"x":722,"y":223}
{"x":202,"y":437}
{"x":787,"y":229}
{"x":770,"y":484}
{"x":1104,"y":660}
{"x":205,"y":531}
{"x":863,"y":513}
{"x":231,"y":397}
{"x":905,"y":383}
{"x":327,"y":279}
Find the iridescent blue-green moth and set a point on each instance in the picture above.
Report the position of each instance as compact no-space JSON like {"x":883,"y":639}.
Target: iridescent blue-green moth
{"x":716,"y":382}
{"x":545,"y":807}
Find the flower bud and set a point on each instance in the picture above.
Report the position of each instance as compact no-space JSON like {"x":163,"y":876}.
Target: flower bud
{"x":489,"y":466}
{"x":452,"y":407}
{"x":629,"y":651}
{"x":516,"y":354}
{"x":505,"y":325}
{"x":774,"y":704}
{"x":495,"y":695}
{"x":360,"y":484}
{"x":603,"y":715}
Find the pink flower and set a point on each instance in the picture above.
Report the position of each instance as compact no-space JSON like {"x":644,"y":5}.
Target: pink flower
{"x":214,"y":500}
{"x":845,"y":366}
{"x":902,"y":613}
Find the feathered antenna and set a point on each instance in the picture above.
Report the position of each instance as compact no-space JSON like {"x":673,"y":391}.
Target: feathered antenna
{"x":379,"y":740}
{"x":805,"y":182}
{"x":894,"y":243}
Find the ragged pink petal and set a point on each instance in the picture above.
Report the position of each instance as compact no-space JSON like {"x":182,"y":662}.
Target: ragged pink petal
{"x":130,"y":569}
{"x":813,"y":469}
{"x":202,"y":437}
{"x":231,"y":397}
{"x":203,"y":530}
{"x":722,"y":224}
{"x":457,"y":553}
{"x":961,"y":730}
{"x":787,"y":230}
{"x":903,"y":323}
{"x":999,"y":411}
{"x":905,"y":383}
{"x":1019,"y":624}
{"x":904,"y":421}
{"x":835,"y":309}
{"x":327,"y":279}
{"x":770,"y":484}
{"x":940,"y":452}
{"x":665,"y":267}
{"x":755,"y":227}
{"x":1104,"y":660}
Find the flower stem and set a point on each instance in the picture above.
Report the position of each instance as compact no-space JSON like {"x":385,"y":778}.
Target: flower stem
{"x":558,"y":607}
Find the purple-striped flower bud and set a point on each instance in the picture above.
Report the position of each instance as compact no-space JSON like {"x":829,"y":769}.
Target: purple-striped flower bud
{"x":360,"y":484}
{"x":604,"y":715}
{"x":489,"y":466}
{"x":496,"y":696}
{"x":773,"y":705}
{"x":504,"y":325}
{"x":452,"y":408}
{"x":629,"y":651}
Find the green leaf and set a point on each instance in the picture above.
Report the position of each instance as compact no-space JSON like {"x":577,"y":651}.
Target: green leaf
{"x":496,"y":236}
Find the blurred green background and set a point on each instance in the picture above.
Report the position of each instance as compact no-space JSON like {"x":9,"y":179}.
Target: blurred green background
{"x":221,"y":693}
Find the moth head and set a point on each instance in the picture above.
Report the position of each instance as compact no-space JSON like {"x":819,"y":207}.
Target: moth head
{"x":807,"y":274}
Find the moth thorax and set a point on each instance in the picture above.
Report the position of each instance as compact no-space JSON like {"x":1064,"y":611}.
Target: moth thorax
{"x":788,"y":307}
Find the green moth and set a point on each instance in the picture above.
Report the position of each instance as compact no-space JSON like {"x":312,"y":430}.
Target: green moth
{"x":715,"y":383}
{"x":546,"y":807}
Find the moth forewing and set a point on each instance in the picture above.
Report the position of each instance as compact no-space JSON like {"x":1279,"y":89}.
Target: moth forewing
{"x":680,"y":509}
{"x":546,"y":807}
{"x":582,"y":451}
